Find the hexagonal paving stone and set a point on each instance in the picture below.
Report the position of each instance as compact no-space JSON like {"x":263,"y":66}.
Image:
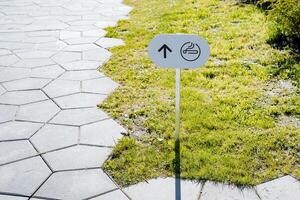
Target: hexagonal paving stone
{"x":34,"y":54}
{"x":22,"y":97}
{"x":23,"y":177}
{"x":81,"y":75}
{"x":80,"y":100}
{"x":69,"y":34}
{"x":6,"y":197}
{"x":10,"y":74}
{"x":15,"y":150}
{"x":212,"y":191}
{"x":62,"y":87}
{"x":284,"y":188}
{"x":32,"y":63}
{"x":52,"y":46}
{"x":105,"y":23}
{"x":101,"y":85}
{"x":163,"y":189}
{"x":81,"y":47}
{"x":52,"y":137}
{"x":73,"y":185}
{"x":2,"y":90}
{"x":117,"y":194}
{"x":82,"y":65}
{"x":18,"y":130}
{"x":81,"y":40}
{"x":26,"y":84}
{"x":4,"y":52}
{"x":8,"y":60}
{"x":51,"y":72}
{"x":66,"y":57}
{"x":99,"y":54}
{"x":38,"y":112}
{"x":77,"y":157}
{"x":40,"y":39}
{"x":104,"y":133}
{"x":94,"y":33}
{"x":78,"y":117}
{"x":7,"y":113}
{"x":109,"y":42}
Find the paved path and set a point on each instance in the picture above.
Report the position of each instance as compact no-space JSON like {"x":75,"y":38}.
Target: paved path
{"x":53,"y":139}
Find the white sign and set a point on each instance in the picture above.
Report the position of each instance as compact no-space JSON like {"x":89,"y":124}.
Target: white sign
{"x":179,"y":51}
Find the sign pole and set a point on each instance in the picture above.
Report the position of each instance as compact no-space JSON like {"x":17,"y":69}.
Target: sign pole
{"x":177,"y":139}
{"x":176,"y":51}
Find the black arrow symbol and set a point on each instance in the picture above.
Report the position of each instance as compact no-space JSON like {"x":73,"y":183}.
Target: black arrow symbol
{"x":165,"y":48}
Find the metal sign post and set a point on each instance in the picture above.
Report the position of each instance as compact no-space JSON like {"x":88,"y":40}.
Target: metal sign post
{"x":177,"y":138}
{"x":178,"y":51}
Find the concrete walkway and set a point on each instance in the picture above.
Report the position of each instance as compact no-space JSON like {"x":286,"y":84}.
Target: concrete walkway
{"x":53,"y":139}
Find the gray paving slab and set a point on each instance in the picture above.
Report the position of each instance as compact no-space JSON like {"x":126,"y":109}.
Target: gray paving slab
{"x":38,"y":112}
{"x":62,"y":87}
{"x":8,"y":60}
{"x":94,"y":33}
{"x":53,"y":46}
{"x":76,"y":184}
{"x":81,"y":47}
{"x":163,"y":189}
{"x":7,"y":113}
{"x":101,"y":85}
{"x":2,"y":90}
{"x":50,"y":72}
{"x":117,"y":195}
{"x":82,"y":65}
{"x":26,"y":84}
{"x":212,"y":191}
{"x":23,"y":177}
{"x":40,"y":39}
{"x":80,"y":27}
{"x":18,"y":130}
{"x":69,"y":34}
{"x":81,"y":40}
{"x":22,"y":97}
{"x":284,"y":188}
{"x":77,"y":157}
{"x":99,"y":54}
{"x":105,"y":23}
{"x":105,"y":133}
{"x":11,"y":197}
{"x":32,"y":54}
{"x":4,"y":52}
{"x":109,"y":42}
{"x":79,"y":117}
{"x":81,"y":75}
{"x":32,"y":63}
{"x":10,"y":74}
{"x":15,"y":45}
{"x":52,"y":137}
{"x":80,"y":100}
{"x":15,"y":150}
{"x":66,"y":57}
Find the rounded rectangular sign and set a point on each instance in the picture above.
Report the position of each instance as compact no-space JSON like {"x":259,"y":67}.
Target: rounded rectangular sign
{"x":179,"y":50}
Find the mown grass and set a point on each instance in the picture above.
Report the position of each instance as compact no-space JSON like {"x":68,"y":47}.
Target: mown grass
{"x":229,"y":127}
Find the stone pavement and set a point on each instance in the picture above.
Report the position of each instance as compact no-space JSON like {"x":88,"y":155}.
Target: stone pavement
{"x":53,"y":139}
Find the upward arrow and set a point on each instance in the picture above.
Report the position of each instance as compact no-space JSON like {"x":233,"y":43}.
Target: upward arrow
{"x":165,"y":48}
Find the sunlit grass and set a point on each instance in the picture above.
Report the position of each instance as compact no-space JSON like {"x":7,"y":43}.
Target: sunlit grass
{"x":228,"y":132}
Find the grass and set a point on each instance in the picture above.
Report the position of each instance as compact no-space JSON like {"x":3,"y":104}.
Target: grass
{"x":230,"y":130}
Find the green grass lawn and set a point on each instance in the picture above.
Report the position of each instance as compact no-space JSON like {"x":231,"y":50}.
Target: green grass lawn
{"x":232,"y":109}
